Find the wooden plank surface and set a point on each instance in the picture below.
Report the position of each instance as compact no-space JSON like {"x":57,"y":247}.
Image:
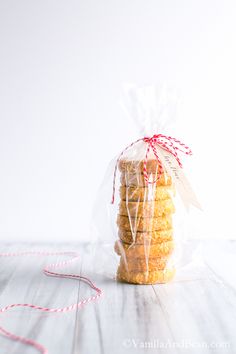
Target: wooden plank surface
{"x":22,"y":281}
{"x":194,"y":313}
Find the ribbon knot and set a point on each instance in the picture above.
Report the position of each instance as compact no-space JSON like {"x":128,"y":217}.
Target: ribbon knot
{"x":167,"y":143}
{"x":152,"y":139}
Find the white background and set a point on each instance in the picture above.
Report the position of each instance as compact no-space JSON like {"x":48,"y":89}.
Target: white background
{"x":62,"y":67}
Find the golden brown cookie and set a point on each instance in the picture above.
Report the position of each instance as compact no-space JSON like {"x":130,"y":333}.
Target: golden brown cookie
{"x":144,"y":224}
{"x":142,"y":264}
{"x":147,"y":209}
{"x":145,"y":237}
{"x":152,"y":277}
{"x":138,"y":180}
{"x":137,"y":166}
{"x":126,"y":250}
{"x":151,"y":192}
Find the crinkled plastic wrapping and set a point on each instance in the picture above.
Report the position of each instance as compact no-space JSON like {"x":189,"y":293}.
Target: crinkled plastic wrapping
{"x":145,"y":241}
{"x":138,"y":238}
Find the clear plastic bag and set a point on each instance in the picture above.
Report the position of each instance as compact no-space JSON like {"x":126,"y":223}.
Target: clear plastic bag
{"x":144,"y":223}
{"x":144,"y":220}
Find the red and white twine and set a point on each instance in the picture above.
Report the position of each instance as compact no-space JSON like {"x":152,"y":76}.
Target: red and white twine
{"x":172,"y":145}
{"x":49,"y":271}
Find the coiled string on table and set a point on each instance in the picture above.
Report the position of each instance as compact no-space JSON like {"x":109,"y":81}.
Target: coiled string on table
{"x":49,"y":271}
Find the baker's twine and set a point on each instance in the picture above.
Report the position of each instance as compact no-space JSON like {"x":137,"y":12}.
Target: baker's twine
{"x":49,"y":271}
{"x":168,"y":143}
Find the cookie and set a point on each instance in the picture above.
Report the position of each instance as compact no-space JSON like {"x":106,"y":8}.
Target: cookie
{"x":137,"y":166}
{"x":144,"y":224}
{"x":138,"y":180}
{"x":145,"y":237}
{"x":152,"y":277}
{"x":147,"y":209}
{"x":142,"y":264}
{"x":151,"y":192}
{"x":126,"y":250}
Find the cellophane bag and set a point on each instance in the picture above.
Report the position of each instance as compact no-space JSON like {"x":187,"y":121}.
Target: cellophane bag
{"x":140,"y":210}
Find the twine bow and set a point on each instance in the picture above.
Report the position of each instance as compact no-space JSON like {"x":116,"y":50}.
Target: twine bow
{"x":172,"y":145}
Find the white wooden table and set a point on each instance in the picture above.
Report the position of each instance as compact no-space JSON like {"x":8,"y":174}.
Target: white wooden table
{"x":192,"y":314}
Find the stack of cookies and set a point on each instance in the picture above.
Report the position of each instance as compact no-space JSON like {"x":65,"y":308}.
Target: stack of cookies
{"x":144,"y":224}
